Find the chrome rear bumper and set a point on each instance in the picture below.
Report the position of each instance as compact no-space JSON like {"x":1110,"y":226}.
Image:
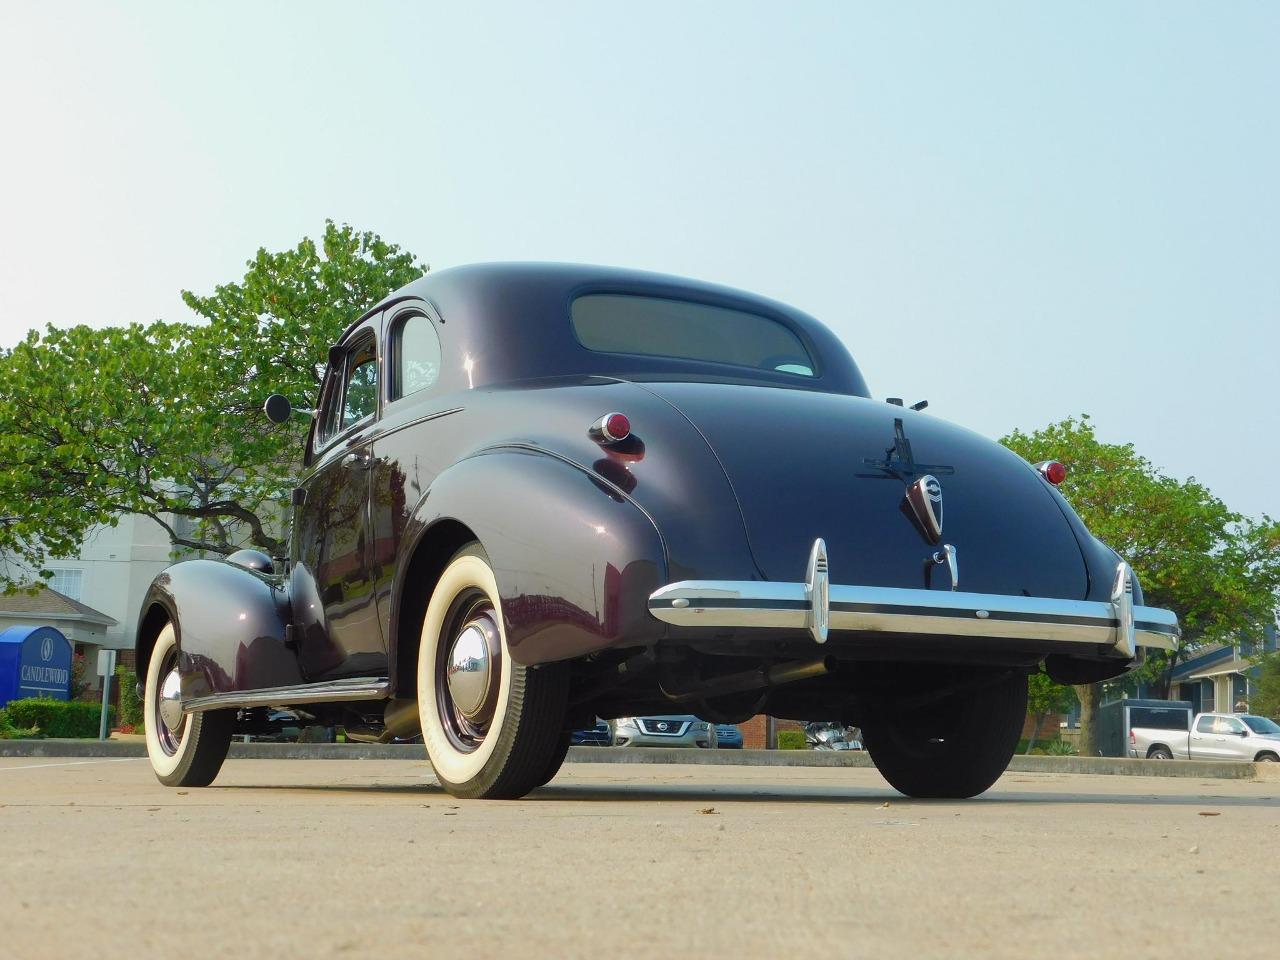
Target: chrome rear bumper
{"x":818,"y":606}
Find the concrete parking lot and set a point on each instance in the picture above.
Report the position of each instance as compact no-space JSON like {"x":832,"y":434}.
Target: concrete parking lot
{"x":314,"y":858}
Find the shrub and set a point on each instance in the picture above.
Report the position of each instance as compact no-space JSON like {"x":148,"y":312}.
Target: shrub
{"x":1060,"y":748}
{"x":9,"y":732}
{"x":130,"y":704}
{"x":56,"y":718}
{"x":791,"y":740}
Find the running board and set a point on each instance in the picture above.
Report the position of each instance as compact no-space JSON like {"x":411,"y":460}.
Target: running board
{"x":331,"y":691}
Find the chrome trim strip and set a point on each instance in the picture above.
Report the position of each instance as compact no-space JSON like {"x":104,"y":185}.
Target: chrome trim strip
{"x":746,"y":603}
{"x":417,"y":420}
{"x":331,"y":691}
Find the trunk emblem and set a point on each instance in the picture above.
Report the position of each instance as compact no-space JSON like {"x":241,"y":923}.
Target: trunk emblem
{"x":925,"y":498}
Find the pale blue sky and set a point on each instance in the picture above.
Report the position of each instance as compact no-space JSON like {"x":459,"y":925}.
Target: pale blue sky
{"x":1018,"y":211}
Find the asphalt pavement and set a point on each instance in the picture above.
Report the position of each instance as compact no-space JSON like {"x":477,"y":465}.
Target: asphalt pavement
{"x":337,"y":858}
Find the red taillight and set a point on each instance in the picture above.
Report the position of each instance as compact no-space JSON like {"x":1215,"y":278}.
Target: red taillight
{"x":611,"y":428}
{"x":1052,"y":471}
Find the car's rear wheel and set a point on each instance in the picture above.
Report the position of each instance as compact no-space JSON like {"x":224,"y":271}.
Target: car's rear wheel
{"x":557,"y":759}
{"x":185,"y":749}
{"x":493,"y":729}
{"x":1159,"y":753}
{"x":952,"y":747}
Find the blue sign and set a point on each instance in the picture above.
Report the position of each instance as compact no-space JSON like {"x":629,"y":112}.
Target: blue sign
{"x":34,"y":662}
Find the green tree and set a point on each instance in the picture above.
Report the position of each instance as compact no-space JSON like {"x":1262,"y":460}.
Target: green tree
{"x":1266,"y":697}
{"x":1043,"y":698}
{"x":1217,"y":570}
{"x":163,"y":419}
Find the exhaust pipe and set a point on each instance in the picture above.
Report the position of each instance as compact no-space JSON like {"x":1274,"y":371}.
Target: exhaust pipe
{"x":399,"y":719}
{"x":758,"y":679}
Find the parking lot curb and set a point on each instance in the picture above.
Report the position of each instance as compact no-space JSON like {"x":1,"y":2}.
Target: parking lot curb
{"x":659,"y":755}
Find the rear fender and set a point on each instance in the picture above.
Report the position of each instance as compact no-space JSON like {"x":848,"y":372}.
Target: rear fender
{"x":230,"y":626}
{"x":1100,"y":562}
{"x":574,"y":557}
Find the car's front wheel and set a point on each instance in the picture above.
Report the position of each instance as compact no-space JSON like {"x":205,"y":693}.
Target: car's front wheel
{"x":956,"y":746}
{"x":185,"y":749}
{"x":493,"y":728}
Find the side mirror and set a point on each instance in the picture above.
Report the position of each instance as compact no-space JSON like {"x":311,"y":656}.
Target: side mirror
{"x":1244,"y":733}
{"x":278,"y":408}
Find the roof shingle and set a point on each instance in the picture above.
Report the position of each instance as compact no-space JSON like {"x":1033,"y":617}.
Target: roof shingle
{"x":51,"y":604}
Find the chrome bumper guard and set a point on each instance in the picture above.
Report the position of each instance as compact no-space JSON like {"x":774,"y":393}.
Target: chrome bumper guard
{"x":820,"y":606}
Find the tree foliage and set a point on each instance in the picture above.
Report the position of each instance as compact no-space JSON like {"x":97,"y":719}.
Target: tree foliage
{"x":1266,"y":696}
{"x":1043,"y":698}
{"x":163,"y":419}
{"x":1217,"y":570}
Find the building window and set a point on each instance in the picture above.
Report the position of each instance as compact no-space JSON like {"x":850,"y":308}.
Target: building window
{"x":67,"y":582}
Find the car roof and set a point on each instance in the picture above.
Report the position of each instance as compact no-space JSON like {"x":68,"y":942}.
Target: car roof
{"x":521,"y":312}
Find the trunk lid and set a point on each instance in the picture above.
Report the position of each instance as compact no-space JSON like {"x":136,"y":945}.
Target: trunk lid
{"x":802,"y":466}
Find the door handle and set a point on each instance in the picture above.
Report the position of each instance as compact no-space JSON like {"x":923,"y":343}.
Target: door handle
{"x":360,"y":459}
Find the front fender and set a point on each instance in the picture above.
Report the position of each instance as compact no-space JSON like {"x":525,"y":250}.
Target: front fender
{"x":230,"y":625}
{"x":574,"y":557}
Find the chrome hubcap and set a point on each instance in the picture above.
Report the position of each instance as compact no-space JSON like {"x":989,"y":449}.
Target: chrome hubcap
{"x":167,"y":716}
{"x":170,"y":705}
{"x":471,"y":664}
{"x":469,"y":673}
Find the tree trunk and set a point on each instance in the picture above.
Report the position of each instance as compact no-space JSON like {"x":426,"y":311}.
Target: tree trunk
{"x":1035,"y":729}
{"x":1163,"y":685}
{"x":1090,"y":696}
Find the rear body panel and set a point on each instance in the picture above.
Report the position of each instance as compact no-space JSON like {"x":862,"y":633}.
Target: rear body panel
{"x":802,"y":467}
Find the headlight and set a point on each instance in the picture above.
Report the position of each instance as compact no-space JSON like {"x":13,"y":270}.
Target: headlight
{"x":700,"y":725}
{"x":625,"y":723}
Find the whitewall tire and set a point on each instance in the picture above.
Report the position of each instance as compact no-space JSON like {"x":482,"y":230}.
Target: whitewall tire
{"x":186,"y":750}
{"x":491,"y":726}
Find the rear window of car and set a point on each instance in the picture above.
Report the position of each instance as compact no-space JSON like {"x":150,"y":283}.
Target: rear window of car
{"x":658,"y":327}
{"x":1159,"y":718}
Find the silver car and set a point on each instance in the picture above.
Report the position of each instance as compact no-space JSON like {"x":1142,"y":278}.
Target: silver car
{"x":1222,"y":736}
{"x":1213,"y":736}
{"x":673,"y":731}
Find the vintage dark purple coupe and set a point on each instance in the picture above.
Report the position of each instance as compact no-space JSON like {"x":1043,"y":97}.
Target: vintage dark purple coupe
{"x":541,"y":494}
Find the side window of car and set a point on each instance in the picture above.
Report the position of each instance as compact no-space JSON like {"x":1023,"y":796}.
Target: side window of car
{"x":1226,"y":725}
{"x":1205,"y":725}
{"x":330,"y":400}
{"x":360,"y":399}
{"x":351,"y":397}
{"x":415,"y":353}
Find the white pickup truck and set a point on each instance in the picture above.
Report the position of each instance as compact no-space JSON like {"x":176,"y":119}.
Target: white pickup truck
{"x":1213,"y":736}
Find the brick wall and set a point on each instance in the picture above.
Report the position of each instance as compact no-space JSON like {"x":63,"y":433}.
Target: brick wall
{"x":1049,"y":726}
{"x":753,"y":731}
